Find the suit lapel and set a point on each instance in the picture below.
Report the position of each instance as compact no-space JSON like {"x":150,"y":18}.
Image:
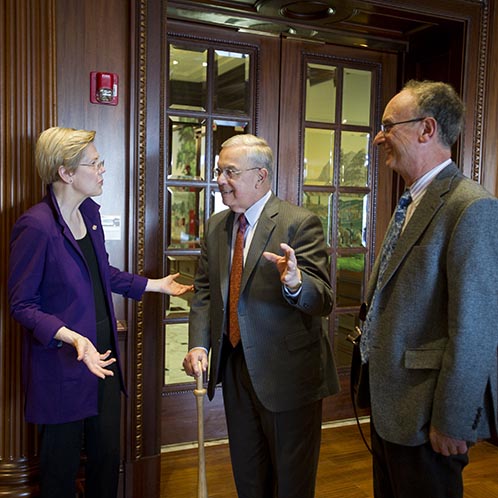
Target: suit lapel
{"x":431,"y":203}
{"x":264,"y":229}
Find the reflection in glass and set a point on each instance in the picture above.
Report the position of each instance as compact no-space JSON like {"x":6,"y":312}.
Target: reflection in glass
{"x":349,"y":285}
{"x":318,"y":156}
{"x":356,"y":98}
{"x":217,"y":204}
{"x":354,"y":159}
{"x":352,"y":222}
{"x":187,"y":78}
{"x":223,"y":130}
{"x":320,"y":93}
{"x":231,"y":83}
{"x":187,"y":148}
{"x":343,"y":349}
{"x":186,"y":266}
{"x":186,"y":206}
{"x":320,"y":203}
{"x":176,"y":347}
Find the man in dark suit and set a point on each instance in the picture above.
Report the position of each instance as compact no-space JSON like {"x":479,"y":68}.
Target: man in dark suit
{"x":275,"y":377}
{"x":430,"y":338}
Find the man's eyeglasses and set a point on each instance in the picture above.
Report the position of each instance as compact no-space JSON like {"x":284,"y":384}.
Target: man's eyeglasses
{"x":386,"y":127}
{"x":97,"y":166}
{"x":230,"y":173}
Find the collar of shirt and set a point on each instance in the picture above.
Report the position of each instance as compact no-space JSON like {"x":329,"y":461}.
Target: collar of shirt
{"x":418,"y":189}
{"x":252,"y":215}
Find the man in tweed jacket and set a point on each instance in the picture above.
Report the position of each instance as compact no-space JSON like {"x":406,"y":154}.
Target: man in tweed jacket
{"x":432,"y":358}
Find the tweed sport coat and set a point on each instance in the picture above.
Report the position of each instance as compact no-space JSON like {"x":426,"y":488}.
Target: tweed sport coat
{"x":434,"y":346}
{"x":286,"y":346}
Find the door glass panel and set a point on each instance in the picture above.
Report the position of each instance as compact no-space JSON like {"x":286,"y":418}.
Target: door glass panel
{"x":223,"y":130}
{"x":343,"y":349}
{"x":336,"y":183}
{"x":352,"y":222}
{"x":318,"y":156}
{"x":186,"y":266}
{"x":231,"y":81}
{"x":320,"y":203}
{"x":320,"y":93}
{"x":196,"y":125}
{"x":354,"y":159}
{"x":187,"y":78}
{"x":350,"y":270}
{"x":187,"y":148}
{"x":217,"y":204}
{"x":176,"y":346}
{"x":356,"y":97}
{"x":186,"y":205}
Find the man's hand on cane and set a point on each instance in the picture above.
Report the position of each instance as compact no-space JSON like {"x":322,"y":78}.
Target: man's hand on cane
{"x":192,"y":359}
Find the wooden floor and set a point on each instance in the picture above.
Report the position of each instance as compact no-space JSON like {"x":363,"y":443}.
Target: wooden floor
{"x":344,"y":470}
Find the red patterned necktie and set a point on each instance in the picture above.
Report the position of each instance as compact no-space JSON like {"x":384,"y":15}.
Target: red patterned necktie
{"x":235,"y":279}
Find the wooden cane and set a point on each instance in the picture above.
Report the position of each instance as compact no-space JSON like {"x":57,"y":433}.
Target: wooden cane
{"x":201,"y":474}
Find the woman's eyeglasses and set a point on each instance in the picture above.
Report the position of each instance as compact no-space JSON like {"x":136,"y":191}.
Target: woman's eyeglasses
{"x":97,"y":166}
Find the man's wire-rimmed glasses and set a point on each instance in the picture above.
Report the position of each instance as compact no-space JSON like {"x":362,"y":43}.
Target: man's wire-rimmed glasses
{"x":230,"y":173}
{"x":386,"y":127}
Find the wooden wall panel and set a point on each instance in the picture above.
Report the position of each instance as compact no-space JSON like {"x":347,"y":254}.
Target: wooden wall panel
{"x":27,"y":89}
{"x":93,"y":35}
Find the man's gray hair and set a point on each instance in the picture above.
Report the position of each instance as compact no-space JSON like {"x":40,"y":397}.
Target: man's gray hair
{"x":258,"y":151}
{"x":440,"y":101}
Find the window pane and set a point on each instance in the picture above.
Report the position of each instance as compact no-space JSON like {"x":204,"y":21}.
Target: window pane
{"x":187,"y":78}
{"x":176,"y":346}
{"x":356,"y":98}
{"x":350,"y":280}
{"x":318,"y":156}
{"x":343,"y":349}
{"x":352,"y":223}
{"x":231,"y":83}
{"x":320,"y":93}
{"x":187,"y":148}
{"x":186,"y":266}
{"x":217,"y":204}
{"x":320,"y":203}
{"x":223,"y":130}
{"x":186,"y":205}
{"x":354,"y":159}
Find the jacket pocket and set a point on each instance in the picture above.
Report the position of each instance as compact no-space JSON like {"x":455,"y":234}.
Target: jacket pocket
{"x":429,"y":359}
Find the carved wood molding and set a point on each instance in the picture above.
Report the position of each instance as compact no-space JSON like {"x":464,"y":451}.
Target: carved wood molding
{"x":140,"y":182}
{"x":481,"y":90}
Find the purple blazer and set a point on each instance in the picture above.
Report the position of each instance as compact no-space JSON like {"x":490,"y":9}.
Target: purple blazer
{"x":50,"y":287}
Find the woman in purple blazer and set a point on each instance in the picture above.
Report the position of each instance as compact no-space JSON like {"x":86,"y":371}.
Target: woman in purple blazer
{"x":60,"y":287}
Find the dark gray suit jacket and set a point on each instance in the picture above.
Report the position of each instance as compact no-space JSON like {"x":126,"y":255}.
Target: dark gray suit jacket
{"x":434,"y":354}
{"x":286,"y":348}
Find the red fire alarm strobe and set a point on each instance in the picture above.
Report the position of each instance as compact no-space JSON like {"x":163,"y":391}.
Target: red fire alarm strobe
{"x":103,"y":88}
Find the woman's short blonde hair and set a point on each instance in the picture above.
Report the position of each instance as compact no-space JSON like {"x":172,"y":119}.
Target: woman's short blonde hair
{"x":60,"y":147}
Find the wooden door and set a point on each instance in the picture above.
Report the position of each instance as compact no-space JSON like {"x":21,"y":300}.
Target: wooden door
{"x":217,"y":83}
{"x":329,"y":116}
